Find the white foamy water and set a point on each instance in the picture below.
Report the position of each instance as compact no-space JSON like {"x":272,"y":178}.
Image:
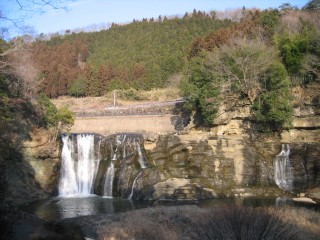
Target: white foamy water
{"x":282,"y":169}
{"x":78,"y":170}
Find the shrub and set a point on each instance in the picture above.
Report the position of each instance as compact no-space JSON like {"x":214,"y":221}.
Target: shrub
{"x":53,"y":117}
{"x":49,"y":110}
{"x":232,"y":222}
{"x":129,"y":94}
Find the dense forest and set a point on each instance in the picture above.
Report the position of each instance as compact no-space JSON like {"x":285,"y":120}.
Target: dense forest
{"x":140,"y":55}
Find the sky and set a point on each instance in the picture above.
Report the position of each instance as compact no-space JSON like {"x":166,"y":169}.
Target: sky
{"x":84,"y":13}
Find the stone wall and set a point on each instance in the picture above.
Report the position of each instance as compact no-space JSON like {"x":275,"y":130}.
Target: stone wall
{"x":109,"y":125}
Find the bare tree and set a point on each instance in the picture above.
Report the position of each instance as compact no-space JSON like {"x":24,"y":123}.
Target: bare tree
{"x":232,"y":14}
{"x":240,"y":63}
{"x":15,"y":55}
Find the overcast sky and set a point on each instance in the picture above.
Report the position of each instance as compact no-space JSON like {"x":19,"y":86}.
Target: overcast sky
{"x":82,"y":13}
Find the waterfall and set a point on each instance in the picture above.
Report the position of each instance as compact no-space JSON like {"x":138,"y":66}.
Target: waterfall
{"x":68,"y":183}
{"x":141,"y":159}
{"x":134,"y":184}
{"x":108,"y":183}
{"x":82,"y":173}
{"x":282,"y":170}
{"x":85,"y":167}
{"x":78,"y":170}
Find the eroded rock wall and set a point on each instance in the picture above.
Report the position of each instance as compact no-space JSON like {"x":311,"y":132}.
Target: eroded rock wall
{"x":231,"y":160}
{"x":34,"y":174}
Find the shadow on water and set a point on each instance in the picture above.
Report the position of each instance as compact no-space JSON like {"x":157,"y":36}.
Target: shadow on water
{"x":258,"y":202}
{"x":59,"y":208}
{"x":56,"y":209}
{"x":86,"y":212}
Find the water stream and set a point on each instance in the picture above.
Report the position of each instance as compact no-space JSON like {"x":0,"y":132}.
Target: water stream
{"x":134,"y":185}
{"x":108,"y":185}
{"x":282,"y":169}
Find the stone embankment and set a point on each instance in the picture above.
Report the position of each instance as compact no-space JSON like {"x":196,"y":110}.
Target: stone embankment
{"x":156,"y":117}
{"x":143,"y":109}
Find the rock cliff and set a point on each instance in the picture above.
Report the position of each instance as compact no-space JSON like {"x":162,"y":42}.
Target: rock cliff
{"x":201,"y":165}
{"x":34,"y":174}
{"x":230,"y":159}
{"x":233,"y":159}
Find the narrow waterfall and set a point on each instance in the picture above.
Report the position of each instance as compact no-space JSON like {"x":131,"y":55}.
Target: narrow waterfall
{"x":134,"y":184}
{"x":77,"y":170}
{"x":282,"y":170}
{"x":108,"y":183}
{"x":109,"y":176}
{"x":141,"y":159}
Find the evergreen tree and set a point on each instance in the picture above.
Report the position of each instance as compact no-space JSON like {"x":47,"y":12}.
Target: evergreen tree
{"x":273,"y":108}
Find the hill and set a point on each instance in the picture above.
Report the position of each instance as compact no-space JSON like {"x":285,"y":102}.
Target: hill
{"x":140,"y":55}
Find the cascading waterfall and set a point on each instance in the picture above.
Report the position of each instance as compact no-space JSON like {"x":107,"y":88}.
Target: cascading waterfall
{"x":109,"y":176}
{"x":108,"y":184}
{"x":85,"y":166}
{"x":68,"y":182}
{"x":141,"y":159}
{"x":82,"y":173}
{"x":77,"y":171}
{"x":134,"y":184}
{"x":283,"y":173}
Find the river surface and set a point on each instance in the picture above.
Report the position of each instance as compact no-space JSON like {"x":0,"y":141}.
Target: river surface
{"x":58,"y":208}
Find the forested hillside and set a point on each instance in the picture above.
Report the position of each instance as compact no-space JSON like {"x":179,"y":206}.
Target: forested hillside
{"x":140,"y":55}
{"x":266,"y":59}
{"x":270,"y":61}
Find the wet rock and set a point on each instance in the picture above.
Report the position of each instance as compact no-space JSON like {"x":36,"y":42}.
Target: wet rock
{"x":314,"y":194}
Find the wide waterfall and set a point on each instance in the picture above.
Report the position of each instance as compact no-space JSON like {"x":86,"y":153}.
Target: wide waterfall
{"x":107,"y":166}
{"x":282,"y":169}
{"x":78,"y":170}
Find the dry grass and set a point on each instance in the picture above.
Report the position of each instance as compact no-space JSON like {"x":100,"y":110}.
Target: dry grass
{"x":163,"y":94}
{"x":124,"y":98}
{"x":306,"y":219}
{"x":229,"y":222}
{"x":160,"y":223}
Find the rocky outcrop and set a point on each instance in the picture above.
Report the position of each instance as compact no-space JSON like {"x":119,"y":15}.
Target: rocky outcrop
{"x":201,"y":165}
{"x":314,"y":194}
{"x":233,"y":159}
{"x":34,"y":174}
{"x":230,"y":159}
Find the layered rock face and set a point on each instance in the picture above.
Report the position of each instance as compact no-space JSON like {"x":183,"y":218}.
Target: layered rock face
{"x":202,"y":165}
{"x":232,"y":159}
{"x":34,"y":174}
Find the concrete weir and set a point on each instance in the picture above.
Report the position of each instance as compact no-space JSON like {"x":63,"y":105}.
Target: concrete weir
{"x":106,"y":125}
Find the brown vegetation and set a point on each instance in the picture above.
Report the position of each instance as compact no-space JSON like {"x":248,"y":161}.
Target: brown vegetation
{"x":226,"y":222}
{"x":123,"y":98}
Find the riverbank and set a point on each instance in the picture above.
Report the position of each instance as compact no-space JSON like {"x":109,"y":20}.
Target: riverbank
{"x":192,"y":222}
